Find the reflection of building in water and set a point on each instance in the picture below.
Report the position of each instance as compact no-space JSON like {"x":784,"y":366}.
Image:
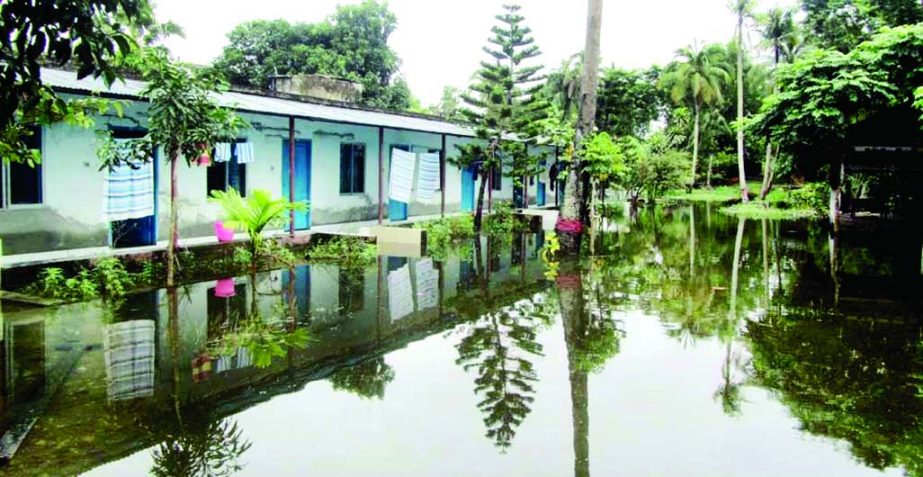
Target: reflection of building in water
{"x":23,"y":361}
{"x":129,"y":354}
{"x":400,"y":293}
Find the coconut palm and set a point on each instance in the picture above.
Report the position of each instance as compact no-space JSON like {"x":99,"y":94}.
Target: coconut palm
{"x":742,"y":10}
{"x":780,"y":35}
{"x":697,"y":79}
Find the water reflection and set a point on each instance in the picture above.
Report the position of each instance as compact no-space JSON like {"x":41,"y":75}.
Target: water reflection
{"x":830,"y":328}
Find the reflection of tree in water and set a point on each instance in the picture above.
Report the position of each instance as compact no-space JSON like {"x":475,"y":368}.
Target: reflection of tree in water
{"x":592,"y":338}
{"x":201,"y":447}
{"x":367,"y":379}
{"x":847,"y":379}
{"x":498,"y":347}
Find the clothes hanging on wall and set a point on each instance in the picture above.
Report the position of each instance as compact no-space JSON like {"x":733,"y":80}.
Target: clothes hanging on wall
{"x":427,"y":284}
{"x":245,"y":153}
{"x":223,"y":152}
{"x":400,"y":293}
{"x":129,"y":192}
{"x":428,"y":180}
{"x":401,"y":181}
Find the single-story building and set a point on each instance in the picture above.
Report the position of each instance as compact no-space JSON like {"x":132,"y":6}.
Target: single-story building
{"x":341,"y":164}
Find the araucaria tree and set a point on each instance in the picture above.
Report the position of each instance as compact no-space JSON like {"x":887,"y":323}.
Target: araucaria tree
{"x":697,"y":80}
{"x":502,"y":103}
{"x":184,"y":121}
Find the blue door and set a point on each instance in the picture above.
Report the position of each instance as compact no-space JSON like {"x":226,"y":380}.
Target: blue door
{"x":302,"y":179}
{"x":540,"y":194}
{"x":467,"y":190}
{"x":397,"y":210}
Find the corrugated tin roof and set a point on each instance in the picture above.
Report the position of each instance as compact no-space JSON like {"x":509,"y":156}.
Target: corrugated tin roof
{"x":254,"y":103}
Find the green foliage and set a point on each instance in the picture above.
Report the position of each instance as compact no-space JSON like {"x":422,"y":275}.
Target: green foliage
{"x":698,"y":78}
{"x":352,"y":43}
{"x":650,"y":171}
{"x":718,"y":194}
{"x":843,"y":24}
{"x":602,"y":158}
{"x":812,"y":196}
{"x":628,"y":101}
{"x":825,"y":92}
{"x":108,"y":278}
{"x":349,"y":252}
{"x":502,"y":221}
{"x":184,"y":119}
{"x":91,"y":34}
{"x":443,"y":235}
{"x":762,"y":210}
{"x":502,"y":101}
{"x":253,"y":214}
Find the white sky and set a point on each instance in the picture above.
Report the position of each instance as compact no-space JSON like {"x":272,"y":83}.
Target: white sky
{"x":439,"y":41}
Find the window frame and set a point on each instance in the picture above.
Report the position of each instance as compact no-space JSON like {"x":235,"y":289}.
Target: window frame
{"x":6,"y":202}
{"x":496,"y":181}
{"x":352,"y":158}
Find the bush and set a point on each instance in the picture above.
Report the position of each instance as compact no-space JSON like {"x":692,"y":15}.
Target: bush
{"x":813,"y":196}
{"x":108,"y":279}
{"x":501,"y":220}
{"x":350,"y":252}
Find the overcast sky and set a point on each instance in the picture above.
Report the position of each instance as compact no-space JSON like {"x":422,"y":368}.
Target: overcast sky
{"x":439,"y":41}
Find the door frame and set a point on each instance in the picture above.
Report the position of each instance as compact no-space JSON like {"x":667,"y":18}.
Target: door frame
{"x":285,"y":175}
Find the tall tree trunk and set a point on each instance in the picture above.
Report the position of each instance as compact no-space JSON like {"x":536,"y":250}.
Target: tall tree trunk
{"x":691,"y":241}
{"x":479,"y":210}
{"x":741,"y":172}
{"x":695,"y":147}
{"x":708,"y":174}
{"x":575,"y":194}
{"x":767,"y":172}
{"x":174,"y":233}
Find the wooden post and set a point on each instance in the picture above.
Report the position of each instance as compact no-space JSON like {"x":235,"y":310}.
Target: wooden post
{"x":291,"y":173}
{"x":381,"y":175}
{"x":556,"y":184}
{"x":442,"y":158}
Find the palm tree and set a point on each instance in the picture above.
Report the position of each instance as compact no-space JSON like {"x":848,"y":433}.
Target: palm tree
{"x":742,"y":9}
{"x":697,"y":79}
{"x":253,"y":214}
{"x":780,"y":35}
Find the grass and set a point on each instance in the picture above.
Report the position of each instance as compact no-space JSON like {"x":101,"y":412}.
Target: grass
{"x":717,"y":194}
{"x":762,"y":210}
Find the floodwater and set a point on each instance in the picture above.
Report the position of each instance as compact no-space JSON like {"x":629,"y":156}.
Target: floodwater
{"x":693,"y":344}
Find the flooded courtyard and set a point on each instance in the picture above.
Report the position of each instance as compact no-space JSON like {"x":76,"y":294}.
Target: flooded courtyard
{"x":691,"y":343}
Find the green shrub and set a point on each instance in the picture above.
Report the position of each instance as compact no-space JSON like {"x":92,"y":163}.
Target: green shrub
{"x":813,"y":196}
{"x":501,"y":220}
{"x":351,"y":252}
{"x":112,"y":280}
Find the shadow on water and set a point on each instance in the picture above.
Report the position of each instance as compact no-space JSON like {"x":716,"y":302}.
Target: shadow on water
{"x":830,"y":328}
